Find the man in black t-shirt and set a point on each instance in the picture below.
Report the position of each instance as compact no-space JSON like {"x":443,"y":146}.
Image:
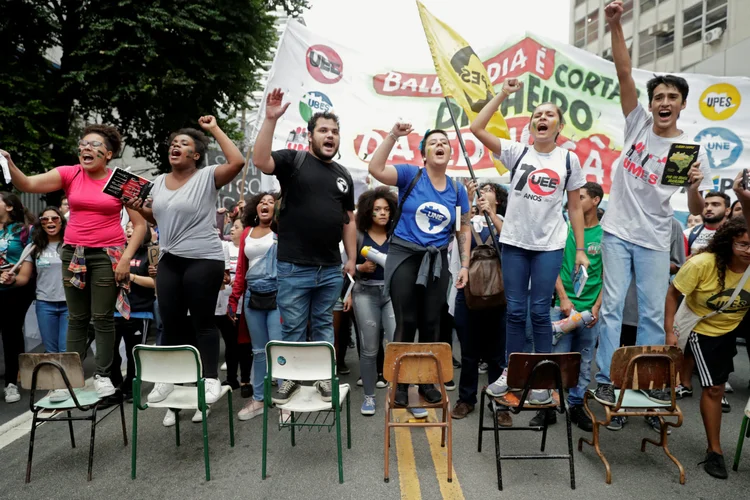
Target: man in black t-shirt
{"x":316,"y":214}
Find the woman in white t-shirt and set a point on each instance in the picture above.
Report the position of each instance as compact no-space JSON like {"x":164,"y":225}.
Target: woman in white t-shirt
{"x":534,"y":230}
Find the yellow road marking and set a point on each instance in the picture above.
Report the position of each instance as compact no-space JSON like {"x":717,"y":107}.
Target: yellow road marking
{"x":407,"y":467}
{"x":450,"y":491}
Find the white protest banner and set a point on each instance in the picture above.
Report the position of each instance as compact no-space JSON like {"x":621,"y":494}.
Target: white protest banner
{"x":369,"y":96}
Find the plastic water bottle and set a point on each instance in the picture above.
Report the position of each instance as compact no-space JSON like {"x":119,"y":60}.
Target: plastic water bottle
{"x":374,"y":255}
{"x":566,"y":325}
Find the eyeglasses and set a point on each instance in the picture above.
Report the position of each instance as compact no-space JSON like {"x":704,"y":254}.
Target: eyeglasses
{"x":487,"y":189}
{"x":742,"y":245}
{"x":50,"y":218}
{"x":94,"y":144}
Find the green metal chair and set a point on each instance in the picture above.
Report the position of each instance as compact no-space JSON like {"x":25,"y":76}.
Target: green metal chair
{"x":305,"y":361}
{"x":175,"y":365}
{"x":744,"y":432}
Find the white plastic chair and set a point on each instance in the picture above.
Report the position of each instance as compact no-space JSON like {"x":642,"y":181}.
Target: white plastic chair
{"x":306,"y":361}
{"x":174,"y":365}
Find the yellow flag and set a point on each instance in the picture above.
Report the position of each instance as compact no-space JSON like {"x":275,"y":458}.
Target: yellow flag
{"x":462,"y":75}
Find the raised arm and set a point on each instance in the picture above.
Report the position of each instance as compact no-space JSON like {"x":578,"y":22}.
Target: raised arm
{"x":223,"y":174}
{"x":262,"y":158}
{"x":621,"y":56}
{"x":41,"y":183}
{"x":377,"y":167}
{"x":479,"y":125}
{"x":743,"y":195}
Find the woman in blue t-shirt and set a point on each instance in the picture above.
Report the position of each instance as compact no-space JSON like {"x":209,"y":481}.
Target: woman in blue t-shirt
{"x":416,"y":272}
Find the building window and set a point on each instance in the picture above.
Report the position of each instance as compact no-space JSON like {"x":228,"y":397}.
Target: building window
{"x":627,"y":11}
{"x":646,"y":48}
{"x":703,"y":17}
{"x":647,"y":5}
{"x":665,"y":42}
{"x":592,"y":26}
{"x":580,"y":33}
{"x":607,"y":54}
{"x":580,"y":2}
{"x":656,"y":41}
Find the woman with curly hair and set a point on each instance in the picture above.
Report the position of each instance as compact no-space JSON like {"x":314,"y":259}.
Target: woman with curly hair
{"x":372,"y":308}
{"x":95,"y":259}
{"x":256,"y":282}
{"x":707,"y":280}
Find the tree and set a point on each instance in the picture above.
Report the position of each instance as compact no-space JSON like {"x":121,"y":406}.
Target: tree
{"x":147,"y":66}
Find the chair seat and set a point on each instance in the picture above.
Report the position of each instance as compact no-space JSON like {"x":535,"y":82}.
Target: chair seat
{"x":513,"y":400}
{"x":308,"y":400}
{"x":635,"y":399}
{"x":85,"y":398}
{"x":184,"y":398}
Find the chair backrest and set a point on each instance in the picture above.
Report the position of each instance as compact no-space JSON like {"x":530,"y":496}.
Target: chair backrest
{"x":521,"y":366}
{"x":417,"y":362}
{"x":652,"y":367}
{"x":300,"y":360}
{"x":179,"y":364}
{"x":49,"y":377}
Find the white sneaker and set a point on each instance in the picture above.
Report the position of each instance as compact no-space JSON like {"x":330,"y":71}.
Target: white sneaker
{"x":500,"y":386}
{"x":728,"y":388}
{"x":160,"y":392}
{"x":213,"y":390}
{"x":251,"y":410}
{"x":418,"y":412}
{"x":103,"y":386}
{"x":223,"y":367}
{"x":58,"y":395}
{"x":198,"y":417}
{"x":169,"y":419}
{"x":11,"y":394}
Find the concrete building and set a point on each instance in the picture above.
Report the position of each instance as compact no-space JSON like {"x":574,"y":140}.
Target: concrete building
{"x":677,"y":36}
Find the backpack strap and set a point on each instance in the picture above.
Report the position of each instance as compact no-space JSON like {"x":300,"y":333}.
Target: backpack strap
{"x":518,"y":162}
{"x":567,"y":170}
{"x":475,"y":235}
{"x":403,"y":200}
{"x":299,"y":159}
{"x":694,"y":233}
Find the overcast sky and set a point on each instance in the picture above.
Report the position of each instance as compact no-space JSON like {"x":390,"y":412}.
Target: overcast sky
{"x":393,"y":26}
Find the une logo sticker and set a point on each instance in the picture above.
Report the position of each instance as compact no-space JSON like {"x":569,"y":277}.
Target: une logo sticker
{"x":281,"y":360}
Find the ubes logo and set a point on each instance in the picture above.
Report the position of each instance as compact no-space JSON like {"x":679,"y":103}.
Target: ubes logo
{"x":324,"y":64}
{"x":720,"y":101}
{"x":313,"y":102}
{"x":722,"y":146}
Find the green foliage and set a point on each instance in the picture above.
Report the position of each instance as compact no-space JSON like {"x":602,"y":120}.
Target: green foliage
{"x":147,"y":66}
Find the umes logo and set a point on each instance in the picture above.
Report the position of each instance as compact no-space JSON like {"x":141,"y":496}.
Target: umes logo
{"x":313,"y":102}
{"x":720,"y":101}
{"x":324,"y":64}
{"x":432,"y":217}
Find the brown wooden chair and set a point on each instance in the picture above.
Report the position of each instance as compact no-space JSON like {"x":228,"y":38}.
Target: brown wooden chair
{"x":556,"y":372}
{"x":63,"y":370}
{"x":634,"y":369}
{"x":412,"y":363}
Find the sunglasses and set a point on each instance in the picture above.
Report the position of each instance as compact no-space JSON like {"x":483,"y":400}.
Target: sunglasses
{"x":94,"y":144}
{"x":50,"y":218}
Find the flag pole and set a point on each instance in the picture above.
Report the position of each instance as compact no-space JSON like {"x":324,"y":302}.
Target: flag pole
{"x":490,"y":226}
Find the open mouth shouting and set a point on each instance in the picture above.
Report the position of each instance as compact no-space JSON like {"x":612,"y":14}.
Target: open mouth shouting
{"x":441,"y":153}
{"x":87,"y":158}
{"x":174,"y":154}
{"x":665,"y":114}
{"x":542,"y":127}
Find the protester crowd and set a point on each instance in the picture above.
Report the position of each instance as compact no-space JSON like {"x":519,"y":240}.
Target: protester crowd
{"x":280,"y":272}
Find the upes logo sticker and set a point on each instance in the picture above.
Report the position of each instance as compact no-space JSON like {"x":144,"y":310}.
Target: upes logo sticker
{"x":313,"y":102}
{"x":432,"y":217}
{"x":722,"y":146}
{"x":720,"y":101}
{"x":470,"y":69}
{"x":324,"y":64}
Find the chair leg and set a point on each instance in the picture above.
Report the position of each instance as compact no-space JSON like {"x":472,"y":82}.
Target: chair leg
{"x":70,"y":427}
{"x":31,"y":447}
{"x":205,"y":444}
{"x":664,"y":445}
{"x":544,"y":432}
{"x":338,"y":441}
{"x":595,"y":440}
{"x":231,"y":420}
{"x":444,"y":430}
{"x":496,"y":432}
{"x":570,"y":449}
{"x":91,"y":446}
{"x":740,"y":442}
{"x":449,"y":430}
{"x":177,"y":426}
{"x":387,"y":438}
{"x":481,"y":422}
{"x":136,"y":402}
{"x":294,"y":443}
{"x":265,"y":439}
{"x":348,"y":423}
{"x":122,"y":420}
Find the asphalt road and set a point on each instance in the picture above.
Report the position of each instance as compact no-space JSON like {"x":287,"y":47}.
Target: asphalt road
{"x":309,"y":469}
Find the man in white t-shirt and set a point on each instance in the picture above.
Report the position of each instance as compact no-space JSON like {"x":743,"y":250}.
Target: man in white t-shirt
{"x":637,"y":225}
{"x":715,"y":213}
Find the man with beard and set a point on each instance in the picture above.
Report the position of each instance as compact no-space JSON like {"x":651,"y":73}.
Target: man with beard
{"x":715,"y":213}
{"x":317,"y":212}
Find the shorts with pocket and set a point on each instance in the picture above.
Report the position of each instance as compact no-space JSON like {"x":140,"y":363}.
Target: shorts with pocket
{"x":713,"y":357}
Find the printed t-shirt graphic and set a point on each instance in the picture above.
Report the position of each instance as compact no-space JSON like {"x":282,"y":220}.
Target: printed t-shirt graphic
{"x":534,"y":217}
{"x":639,"y":210}
{"x":428,"y":214}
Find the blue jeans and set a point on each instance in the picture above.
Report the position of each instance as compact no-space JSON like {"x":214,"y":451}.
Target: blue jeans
{"x":651,"y":267}
{"x":582,"y":340}
{"x":264,"y":326}
{"x":307,"y":292}
{"x":53,"y":324}
{"x":542,"y":268}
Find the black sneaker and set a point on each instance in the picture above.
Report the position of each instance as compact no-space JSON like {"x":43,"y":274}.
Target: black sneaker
{"x":538,"y":421}
{"x":380,"y":384}
{"x":725,"y":406}
{"x":402,"y":395}
{"x":683,"y":392}
{"x":658,"y":395}
{"x":285,"y":392}
{"x":450,"y":386}
{"x":246,"y":391}
{"x":234,"y":384}
{"x":342,"y":369}
{"x":430,"y":393}
{"x":324,"y":389}
{"x":579,"y":417}
{"x":714,"y":465}
{"x":456,"y":363}
{"x":605,"y":394}
{"x":617,"y":423}
{"x":654,"y":423}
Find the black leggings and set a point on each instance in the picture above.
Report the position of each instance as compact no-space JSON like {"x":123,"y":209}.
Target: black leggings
{"x":14,"y":303}
{"x":235,"y":354}
{"x":416,"y":306}
{"x":134,"y":331}
{"x":191,"y":284}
